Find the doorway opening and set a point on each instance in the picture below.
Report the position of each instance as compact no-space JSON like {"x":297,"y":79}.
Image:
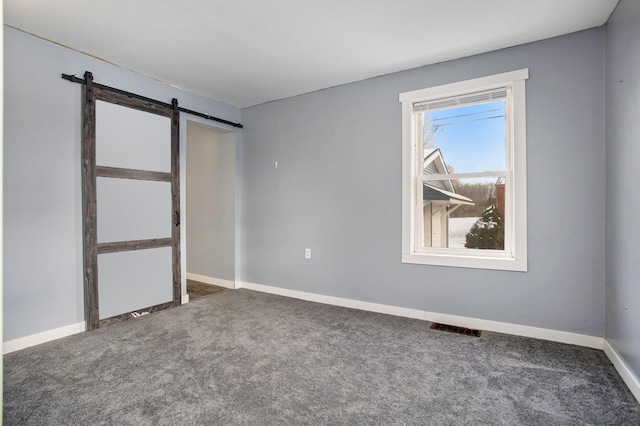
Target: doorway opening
{"x":210,"y":210}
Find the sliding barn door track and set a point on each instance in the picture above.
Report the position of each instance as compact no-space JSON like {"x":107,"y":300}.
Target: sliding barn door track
{"x":75,"y":79}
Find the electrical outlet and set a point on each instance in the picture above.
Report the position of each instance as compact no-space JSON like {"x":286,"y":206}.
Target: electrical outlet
{"x":307,"y":253}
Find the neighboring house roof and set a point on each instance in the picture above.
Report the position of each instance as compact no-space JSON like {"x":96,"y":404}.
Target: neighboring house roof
{"x":441,"y":190}
{"x":431,"y":193}
{"x":434,"y":165}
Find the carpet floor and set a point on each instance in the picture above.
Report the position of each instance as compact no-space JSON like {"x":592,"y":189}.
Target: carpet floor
{"x":249,"y":358}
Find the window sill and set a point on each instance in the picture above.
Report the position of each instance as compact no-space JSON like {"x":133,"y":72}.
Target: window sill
{"x":496,"y":263}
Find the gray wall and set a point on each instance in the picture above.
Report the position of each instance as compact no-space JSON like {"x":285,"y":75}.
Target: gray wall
{"x":211,"y":174}
{"x":337,"y":190}
{"x":42,"y":202}
{"x":623,"y":196}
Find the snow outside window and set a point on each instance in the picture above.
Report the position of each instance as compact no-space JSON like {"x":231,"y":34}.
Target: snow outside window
{"x":464,"y":174}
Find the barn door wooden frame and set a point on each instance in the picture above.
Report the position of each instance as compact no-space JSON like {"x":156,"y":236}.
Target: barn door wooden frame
{"x":90,"y":172}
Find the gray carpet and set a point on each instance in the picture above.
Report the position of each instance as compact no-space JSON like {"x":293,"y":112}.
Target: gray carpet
{"x":243,"y":357}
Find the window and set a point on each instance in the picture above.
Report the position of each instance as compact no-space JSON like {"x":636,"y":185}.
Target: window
{"x":464,"y":174}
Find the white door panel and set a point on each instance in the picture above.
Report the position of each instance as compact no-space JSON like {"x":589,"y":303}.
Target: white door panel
{"x":128,"y":281}
{"x":132,"y":139}
{"x":130,"y":210}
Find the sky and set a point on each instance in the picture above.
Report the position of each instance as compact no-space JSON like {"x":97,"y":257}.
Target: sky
{"x":471,"y":138}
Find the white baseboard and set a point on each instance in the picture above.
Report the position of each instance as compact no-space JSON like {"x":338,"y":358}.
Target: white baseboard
{"x":185,"y":299}
{"x":210,"y":280}
{"x":480,"y":324}
{"x":518,"y":330}
{"x":623,"y":369}
{"x":45,"y":336}
{"x":336,"y":301}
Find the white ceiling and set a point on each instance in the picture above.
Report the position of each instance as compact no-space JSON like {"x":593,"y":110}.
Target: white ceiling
{"x":247,"y":52}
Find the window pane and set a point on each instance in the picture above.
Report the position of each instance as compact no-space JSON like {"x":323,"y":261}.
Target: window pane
{"x":470,"y":138}
{"x":463,"y":213}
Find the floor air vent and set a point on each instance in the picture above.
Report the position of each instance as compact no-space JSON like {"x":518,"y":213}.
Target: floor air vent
{"x":455,"y":329}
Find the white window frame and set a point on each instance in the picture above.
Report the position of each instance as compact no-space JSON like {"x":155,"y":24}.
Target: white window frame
{"x":514,"y":257}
